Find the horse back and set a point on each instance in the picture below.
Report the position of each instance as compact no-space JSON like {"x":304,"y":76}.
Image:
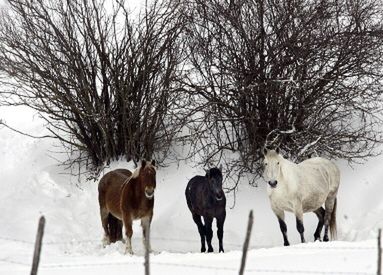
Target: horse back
{"x":321,"y":168}
{"x":110,"y":190}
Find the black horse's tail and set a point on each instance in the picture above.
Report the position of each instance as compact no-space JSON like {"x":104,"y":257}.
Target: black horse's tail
{"x":114,"y":228}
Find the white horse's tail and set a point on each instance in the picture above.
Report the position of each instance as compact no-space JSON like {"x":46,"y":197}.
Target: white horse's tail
{"x":333,"y":231}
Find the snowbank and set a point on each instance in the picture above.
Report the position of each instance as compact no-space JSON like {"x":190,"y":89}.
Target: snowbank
{"x":33,"y":184}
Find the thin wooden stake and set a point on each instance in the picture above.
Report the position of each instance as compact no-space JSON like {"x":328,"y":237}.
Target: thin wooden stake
{"x":379,"y":271}
{"x":39,"y":239}
{"x":246,"y":243}
{"x":147,"y":251}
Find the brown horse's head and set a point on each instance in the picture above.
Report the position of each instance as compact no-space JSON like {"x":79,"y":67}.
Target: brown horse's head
{"x":147,"y":177}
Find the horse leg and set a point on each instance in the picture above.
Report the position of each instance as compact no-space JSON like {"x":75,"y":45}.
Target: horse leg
{"x":329,"y":208}
{"x":301,"y":228}
{"x":299,"y":218}
{"x":209,"y":232}
{"x":201,"y":230}
{"x":145,"y":224}
{"x":129,"y":232}
{"x":115,"y":228}
{"x":320,"y":212}
{"x":220,"y":222}
{"x":104,"y":213}
{"x":282,"y":225}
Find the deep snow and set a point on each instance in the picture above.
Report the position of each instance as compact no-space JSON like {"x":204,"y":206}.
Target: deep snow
{"x":32,"y":183}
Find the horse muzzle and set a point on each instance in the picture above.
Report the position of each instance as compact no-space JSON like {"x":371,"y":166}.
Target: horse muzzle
{"x":219,"y":196}
{"x":273,"y":183}
{"x":149,"y":193}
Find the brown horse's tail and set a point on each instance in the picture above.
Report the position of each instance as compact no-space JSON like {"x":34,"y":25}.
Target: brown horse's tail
{"x":114,"y":228}
{"x":333,"y":231}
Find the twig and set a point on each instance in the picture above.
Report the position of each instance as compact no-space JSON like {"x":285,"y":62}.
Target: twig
{"x":22,"y":133}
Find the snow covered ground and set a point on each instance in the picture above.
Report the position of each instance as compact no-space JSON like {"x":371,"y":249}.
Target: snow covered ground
{"x":33,"y":184}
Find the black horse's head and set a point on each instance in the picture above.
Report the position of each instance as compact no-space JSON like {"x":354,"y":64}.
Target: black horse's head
{"x":214,"y":178}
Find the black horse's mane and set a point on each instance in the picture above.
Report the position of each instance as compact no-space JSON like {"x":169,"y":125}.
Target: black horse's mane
{"x":214,"y":173}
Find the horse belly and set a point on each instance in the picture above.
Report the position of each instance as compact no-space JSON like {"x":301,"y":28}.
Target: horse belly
{"x":113,"y":203}
{"x":315,"y":198}
{"x":115,"y":212}
{"x":287,"y":206}
{"x":311,"y":206}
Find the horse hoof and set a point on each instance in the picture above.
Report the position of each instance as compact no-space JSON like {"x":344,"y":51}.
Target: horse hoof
{"x":325,"y":239}
{"x":210,"y":250}
{"x":286,"y":244}
{"x":203,"y":249}
{"x":129,"y":251}
{"x":105,"y":241}
{"x":221,"y":250}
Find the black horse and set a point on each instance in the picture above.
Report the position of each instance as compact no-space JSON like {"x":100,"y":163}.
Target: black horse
{"x":205,"y":197}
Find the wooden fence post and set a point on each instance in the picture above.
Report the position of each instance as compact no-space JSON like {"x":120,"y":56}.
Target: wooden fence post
{"x":37,"y":252}
{"x":246,"y":243}
{"x":147,"y":251}
{"x":379,"y":270}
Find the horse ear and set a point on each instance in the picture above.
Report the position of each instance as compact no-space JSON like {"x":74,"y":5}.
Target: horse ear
{"x":265,"y":151}
{"x":153,"y":162}
{"x":277,"y":150}
{"x":208,"y":173}
{"x":220,"y":167}
{"x":143,"y":163}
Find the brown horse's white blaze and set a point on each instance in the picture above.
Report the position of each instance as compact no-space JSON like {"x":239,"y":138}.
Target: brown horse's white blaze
{"x":126,"y":197}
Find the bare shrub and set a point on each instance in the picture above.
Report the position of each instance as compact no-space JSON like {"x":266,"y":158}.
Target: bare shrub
{"x":105,"y":81}
{"x":305,"y":75}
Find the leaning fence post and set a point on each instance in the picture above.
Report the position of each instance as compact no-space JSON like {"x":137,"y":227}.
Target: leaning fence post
{"x":246,"y":243}
{"x":37,"y":252}
{"x":147,"y":251}
{"x":379,"y":271}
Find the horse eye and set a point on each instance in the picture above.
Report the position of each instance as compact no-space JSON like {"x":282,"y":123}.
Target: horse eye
{"x":278,"y":162}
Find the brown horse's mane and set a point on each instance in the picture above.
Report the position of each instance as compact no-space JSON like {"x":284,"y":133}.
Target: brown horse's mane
{"x":134,"y":175}
{"x":137,"y":171}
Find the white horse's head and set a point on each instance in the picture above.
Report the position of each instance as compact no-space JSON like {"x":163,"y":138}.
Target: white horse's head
{"x":272,"y":167}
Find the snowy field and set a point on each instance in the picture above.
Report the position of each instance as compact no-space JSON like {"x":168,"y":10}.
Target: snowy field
{"x":33,"y":184}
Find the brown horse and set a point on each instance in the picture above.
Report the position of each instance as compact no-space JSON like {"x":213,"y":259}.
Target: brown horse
{"x":125,"y":197}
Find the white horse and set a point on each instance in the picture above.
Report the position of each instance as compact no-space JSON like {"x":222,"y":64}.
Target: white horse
{"x":301,"y":188}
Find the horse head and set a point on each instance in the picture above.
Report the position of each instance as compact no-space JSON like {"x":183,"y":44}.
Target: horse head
{"x":272,"y":166}
{"x":147,"y":175}
{"x":214,"y":178}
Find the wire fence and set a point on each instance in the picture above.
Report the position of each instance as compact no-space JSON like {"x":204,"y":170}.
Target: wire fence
{"x":232,"y":270}
{"x":13,"y":262}
{"x":174,"y":240}
{"x":188,"y":266}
